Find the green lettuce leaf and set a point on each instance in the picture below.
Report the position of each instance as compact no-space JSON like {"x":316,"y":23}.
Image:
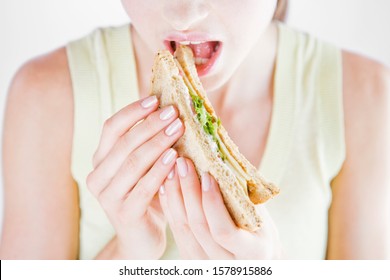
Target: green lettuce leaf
{"x":209,"y":123}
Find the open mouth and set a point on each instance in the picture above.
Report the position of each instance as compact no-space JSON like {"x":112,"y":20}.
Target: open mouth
{"x":205,"y":53}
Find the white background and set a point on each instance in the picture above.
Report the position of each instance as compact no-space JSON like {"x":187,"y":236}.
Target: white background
{"x":30,"y":28}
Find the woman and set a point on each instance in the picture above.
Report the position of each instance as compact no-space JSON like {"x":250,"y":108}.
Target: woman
{"x":312,"y":117}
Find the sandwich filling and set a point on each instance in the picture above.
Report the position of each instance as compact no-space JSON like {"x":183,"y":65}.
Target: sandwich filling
{"x":202,"y":50}
{"x":210,"y":126}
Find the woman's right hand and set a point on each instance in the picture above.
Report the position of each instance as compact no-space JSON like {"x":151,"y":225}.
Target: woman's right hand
{"x":130,"y":164}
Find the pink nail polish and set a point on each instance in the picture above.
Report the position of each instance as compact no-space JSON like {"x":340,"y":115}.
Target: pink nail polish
{"x":171,"y":174}
{"x":182,"y":167}
{"x":167,"y":113}
{"x":169,"y":156}
{"x":149,"y":102}
{"x":173,"y":127}
{"x":162,"y":189}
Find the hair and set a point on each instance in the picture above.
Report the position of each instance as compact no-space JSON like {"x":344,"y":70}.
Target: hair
{"x":281,"y":10}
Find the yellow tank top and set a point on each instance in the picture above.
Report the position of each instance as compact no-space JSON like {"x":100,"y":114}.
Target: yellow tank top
{"x":305,"y":147}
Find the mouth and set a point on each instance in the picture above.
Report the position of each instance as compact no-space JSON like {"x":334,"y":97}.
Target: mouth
{"x":205,"y":53}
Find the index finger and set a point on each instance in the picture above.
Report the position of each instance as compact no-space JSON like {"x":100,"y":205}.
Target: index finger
{"x":121,"y":122}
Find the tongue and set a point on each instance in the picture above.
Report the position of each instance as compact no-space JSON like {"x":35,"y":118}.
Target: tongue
{"x":204,"y":50}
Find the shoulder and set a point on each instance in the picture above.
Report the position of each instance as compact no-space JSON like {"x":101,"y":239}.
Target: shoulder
{"x":42,"y":83}
{"x":366,"y":89}
{"x":47,"y":75}
{"x":364,"y":76}
{"x":40,"y":100}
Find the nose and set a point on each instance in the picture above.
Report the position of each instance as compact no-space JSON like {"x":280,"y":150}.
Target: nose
{"x":183,"y":14}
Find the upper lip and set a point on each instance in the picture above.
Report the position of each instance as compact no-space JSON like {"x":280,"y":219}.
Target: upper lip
{"x":190,"y":37}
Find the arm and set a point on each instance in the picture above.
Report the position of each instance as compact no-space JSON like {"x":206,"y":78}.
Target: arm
{"x":359,"y":217}
{"x":41,"y":216}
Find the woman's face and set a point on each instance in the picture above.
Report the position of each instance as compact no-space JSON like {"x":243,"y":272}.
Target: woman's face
{"x":220,"y":32}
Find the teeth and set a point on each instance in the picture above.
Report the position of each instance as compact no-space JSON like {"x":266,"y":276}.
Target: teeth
{"x":191,"y":42}
{"x":200,"y":60}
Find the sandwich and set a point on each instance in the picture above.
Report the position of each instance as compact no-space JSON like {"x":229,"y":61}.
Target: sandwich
{"x":205,"y":141}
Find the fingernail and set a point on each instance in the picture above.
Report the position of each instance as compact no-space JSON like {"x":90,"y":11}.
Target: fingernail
{"x":182,"y":167}
{"x":173,"y":127}
{"x":149,"y":102}
{"x":162,"y":189}
{"x":206,"y":182}
{"x":167,"y":113}
{"x":169,"y":156}
{"x":171,"y":174}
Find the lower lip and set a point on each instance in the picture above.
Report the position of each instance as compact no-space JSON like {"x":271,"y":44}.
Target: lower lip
{"x":203,"y":69}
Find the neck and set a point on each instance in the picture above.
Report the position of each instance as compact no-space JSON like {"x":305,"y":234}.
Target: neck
{"x":253,"y":79}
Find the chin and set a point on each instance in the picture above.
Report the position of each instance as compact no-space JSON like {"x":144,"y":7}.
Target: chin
{"x":215,"y":81}
{"x":212,"y":83}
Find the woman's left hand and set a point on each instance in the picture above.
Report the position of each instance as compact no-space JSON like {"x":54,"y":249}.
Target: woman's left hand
{"x":201,"y":224}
